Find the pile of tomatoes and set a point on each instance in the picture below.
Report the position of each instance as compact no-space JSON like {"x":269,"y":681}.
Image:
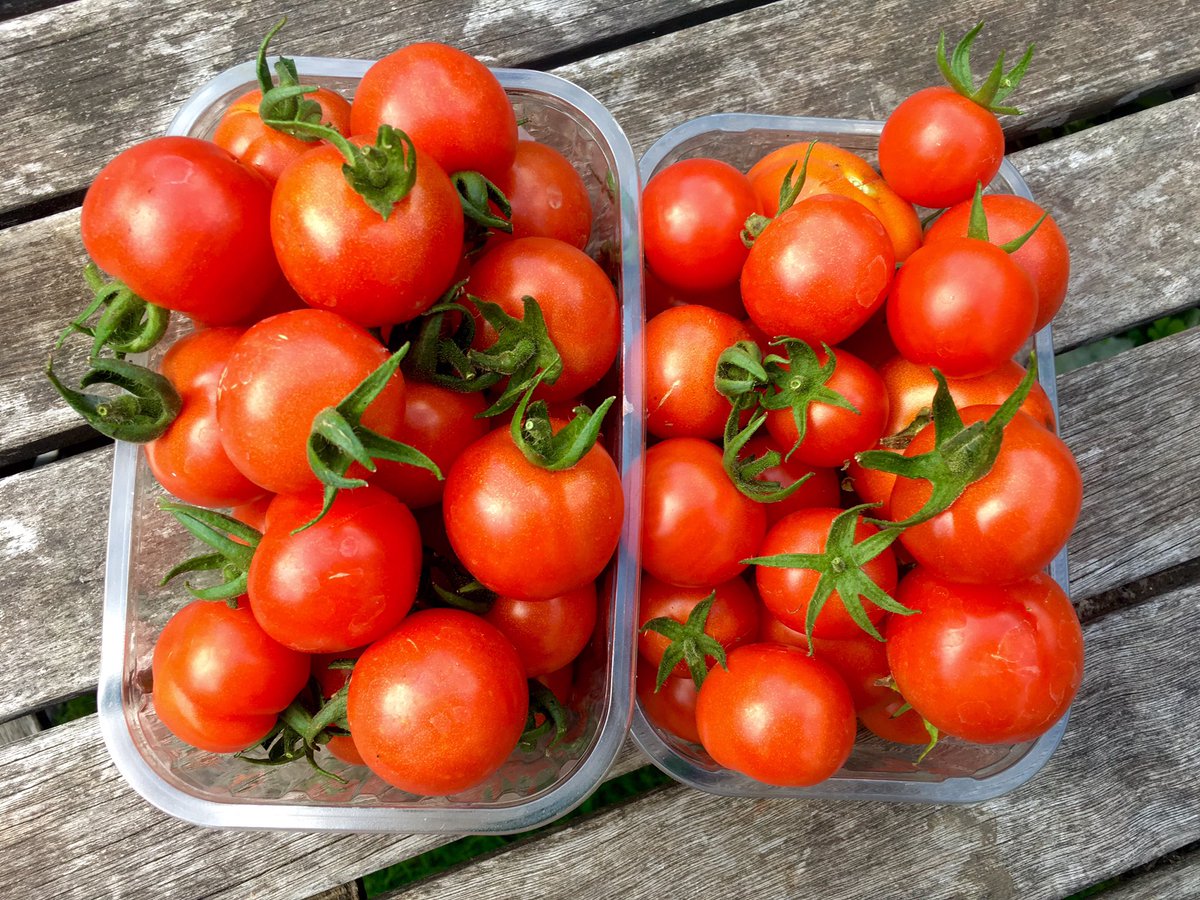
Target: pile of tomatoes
{"x":853,"y":490}
{"x":396,"y":325}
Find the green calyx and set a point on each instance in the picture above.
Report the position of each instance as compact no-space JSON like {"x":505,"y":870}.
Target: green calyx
{"x":142,"y":413}
{"x":338,"y":438}
{"x":234,"y":544}
{"x":789,"y":192}
{"x":960,"y":456}
{"x":285,"y":103}
{"x":840,"y":567}
{"x":446,"y":583}
{"x":998,"y":84}
{"x":689,"y":643}
{"x":128,"y":323}
{"x":800,"y":381}
{"x":534,"y":435}
{"x":977,"y":226}
{"x":440,"y":356}
{"x":477,"y":194}
{"x":554,"y":717}
{"x":523,"y":351}
{"x":299,"y":733}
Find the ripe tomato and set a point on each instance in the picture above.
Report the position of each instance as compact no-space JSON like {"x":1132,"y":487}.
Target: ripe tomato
{"x":281,"y":373}
{"x":682,"y":348}
{"x":186,"y":226}
{"x":661,"y":296}
{"x":1044,"y":256}
{"x":547,"y":634}
{"x":548,"y":197}
{"x":961,"y":305}
{"x":986,"y":663}
{"x":823,"y":487}
{"x":819,"y":271}
{"x":936,"y":145}
{"x":448,"y":102}
{"x":340,"y":254}
{"x":732,"y":618}
{"x":832,"y":434}
{"x":693,"y":212}
{"x":777,"y":715}
{"x":254,"y":513}
{"x":860,"y":660}
{"x":1008,"y":525}
{"x":527,"y":532}
{"x":872,"y":486}
{"x":578,"y":302}
{"x":696,"y":527}
{"x":438,"y":705}
{"x":672,"y":707}
{"x":342,"y":583}
{"x":211,"y":730}
{"x":787,"y":592}
{"x":881,"y":720}
{"x":243,"y":133}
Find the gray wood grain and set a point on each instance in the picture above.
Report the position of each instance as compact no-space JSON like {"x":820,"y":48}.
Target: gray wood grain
{"x":1176,"y":877}
{"x":74,"y":828}
{"x":17,"y":729}
{"x":95,"y":76}
{"x":1120,"y":790}
{"x":352,"y":891}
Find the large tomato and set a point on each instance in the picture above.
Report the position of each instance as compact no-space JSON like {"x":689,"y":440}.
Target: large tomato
{"x":777,"y":715}
{"x":732,"y":618}
{"x":528,"y":532}
{"x":448,"y":102}
{"x":986,"y":663}
{"x":281,"y":373}
{"x":547,"y":634}
{"x":186,"y":226}
{"x":438,"y":705}
{"x":696,"y":527}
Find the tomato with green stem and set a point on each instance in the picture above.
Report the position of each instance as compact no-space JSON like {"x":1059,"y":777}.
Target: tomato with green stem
{"x":821,"y":487}
{"x":671,"y":707}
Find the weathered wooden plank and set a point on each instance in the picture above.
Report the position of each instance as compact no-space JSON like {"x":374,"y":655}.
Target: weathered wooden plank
{"x":73,"y":828}
{"x":352,"y":891}
{"x":1120,"y":790}
{"x":1177,"y":876}
{"x":116,"y":71}
{"x":17,"y":729}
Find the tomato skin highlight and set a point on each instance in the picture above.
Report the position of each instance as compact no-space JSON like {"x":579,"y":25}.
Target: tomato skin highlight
{"x":777,"y":715}
{"x":438,"y":705}
{"x":986,"y":663}
{"x":547,"y":195}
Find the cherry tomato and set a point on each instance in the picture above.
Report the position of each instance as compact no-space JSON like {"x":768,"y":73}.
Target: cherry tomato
{"x":281,"y":373}
{"x":777,"y":715}
{"x":578,"y":302}
{"x":693,"y":212}
{"x":341,"y":583}
{"x":671,"y":707}
{"x":872,"y":486}
{"x":732,"y":618}
{"x":214,"y":731}
{"x":936,"y":145}
{"x":547,"y":634}
{"x":548,"y":197}
{"x":1044,"y":256}
{"x":819,"y":271}
{"x":986,"y":663}
{"x":186,"y":226}
{"x":438,"y":705}
{"x":787,"y":592}
{"x":961,"y":305}
{"x":661,"y":296}
{"x":254,"y":513}
{"x":696,"y":527}
{"x":823,"y":487}
{"x":340,"y":254}
{"x":682,"y":348}
{"x":881,"y":719}
{"x":527,"y":532}
{"x":872,"y":343}
{"x":448,"y":102}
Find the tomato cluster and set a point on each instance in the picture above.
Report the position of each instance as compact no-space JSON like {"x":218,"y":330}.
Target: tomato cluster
{"x":853,"y":489}
{"x":396,"y":327}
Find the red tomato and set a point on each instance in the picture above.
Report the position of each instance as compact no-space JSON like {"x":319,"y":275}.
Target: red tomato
{"x":872,"y":343}
{"x":777,"y":715}
{"x":254,"y":513}
{"x":214,"y":731}
{"x":832,"y":435}
{"x":881,"y":720}
{"x":936,"y":145}
{"x":340,"y":254}
{"x":243,"y":133}
{"x":693,"y":212}
{"x":819,"y":271}
{"x":961,"y":305}
{"x":1008,"y":525}
{"x":342,"y":583}
{"x":823,"y":488}
{"x":986,"y":663}
{"x":438,"y":705}
{"x":448,"y":102}
{"x":732,"y":618}
{"x":1044,"y":256}
{"x":682,"y":348}
{"x":860,"y":660}
{"x":281,"y":373}
{"x":548,"y":197}
{"x":560,"y":682}
{"x":441,"y":424}
{"x":578,"y":302}
{"x":910,"y":389}
{"x":547,"y":634}
{"x":787,"y":592}
{"x":661,"y":296}
{"x":672,"y":707}
{"x":696,"y":527}
{"x":872,"y":486}
{"x":527,"y":532}
{"x":186,"y":226}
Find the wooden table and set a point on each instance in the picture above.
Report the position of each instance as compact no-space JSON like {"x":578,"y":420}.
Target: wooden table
{"x":83,"y":79}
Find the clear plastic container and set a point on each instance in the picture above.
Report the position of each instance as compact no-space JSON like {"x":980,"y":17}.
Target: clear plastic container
{"x":955,"y":771}
{"x":531,"y":788}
